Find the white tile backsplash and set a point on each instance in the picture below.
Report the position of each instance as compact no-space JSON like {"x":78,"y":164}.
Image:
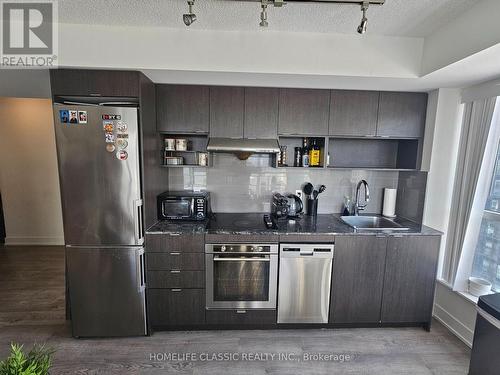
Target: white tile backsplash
{"x":247,"y":185}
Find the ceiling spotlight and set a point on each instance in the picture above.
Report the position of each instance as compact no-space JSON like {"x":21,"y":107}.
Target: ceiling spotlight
{"x":263,"y":14}
{"x":190,"y":17}
{"x":364,"y":21}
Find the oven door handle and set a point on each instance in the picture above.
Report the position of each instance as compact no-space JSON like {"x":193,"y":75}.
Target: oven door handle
{"x":219,"y":259}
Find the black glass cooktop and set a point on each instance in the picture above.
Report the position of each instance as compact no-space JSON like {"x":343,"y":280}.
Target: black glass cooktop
{"x":237,"y":222}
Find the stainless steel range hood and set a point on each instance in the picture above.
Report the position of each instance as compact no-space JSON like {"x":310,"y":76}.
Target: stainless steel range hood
{"x":245,"y":146}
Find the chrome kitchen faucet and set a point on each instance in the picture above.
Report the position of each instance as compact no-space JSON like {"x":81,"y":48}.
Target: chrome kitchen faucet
{"x":358,"y":206}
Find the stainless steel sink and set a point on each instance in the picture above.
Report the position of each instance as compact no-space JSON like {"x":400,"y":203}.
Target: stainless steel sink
{"x":371,"y":223}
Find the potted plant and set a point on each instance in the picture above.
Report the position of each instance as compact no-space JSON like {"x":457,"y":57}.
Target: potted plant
{"x":37,"y":362}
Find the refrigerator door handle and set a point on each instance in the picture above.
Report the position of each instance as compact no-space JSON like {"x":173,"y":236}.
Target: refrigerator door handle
{"x":69,"y":102}
{"x":141,"y":282}
{"x":138,"y":218}
{"x":118,"y":104}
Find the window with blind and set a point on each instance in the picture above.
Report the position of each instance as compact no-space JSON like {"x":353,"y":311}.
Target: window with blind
{"x":486,"y":262}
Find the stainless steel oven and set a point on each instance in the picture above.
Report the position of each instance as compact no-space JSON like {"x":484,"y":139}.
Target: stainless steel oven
{"x":241,"y":276}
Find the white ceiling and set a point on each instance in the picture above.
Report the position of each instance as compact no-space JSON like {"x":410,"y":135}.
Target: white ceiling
{"x":410,"y":18}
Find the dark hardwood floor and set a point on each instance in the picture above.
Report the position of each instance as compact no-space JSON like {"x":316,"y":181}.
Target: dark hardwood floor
{"x":32,"y":310}
{"x":32,"y":285}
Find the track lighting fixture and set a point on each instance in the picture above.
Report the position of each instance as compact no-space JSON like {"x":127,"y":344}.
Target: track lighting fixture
{"x":364,"y":21}
{"x":190,"y":17}
{"x":263,"y":14}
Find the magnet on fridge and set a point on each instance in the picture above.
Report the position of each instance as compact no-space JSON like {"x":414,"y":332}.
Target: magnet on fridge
{"x":82,"y":117}
{"x":73,"y":117}
{"x":111,"y":117}
{"x":121,"y":143}
{"x":108,"y":126}
{"x":121,"y":126}
{"x":110,"y":138}
{"x":110,"y":147}
{"x":64,"y":116}
{"x":122,"y":155}
{"x":122,"y":136}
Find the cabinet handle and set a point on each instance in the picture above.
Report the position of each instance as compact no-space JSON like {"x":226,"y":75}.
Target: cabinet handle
{"x":175,"y":253}
{"x":175,"y":271}
{"x":174,"y":234}
{"x":176,"y":290}
{"x":241,"y":311}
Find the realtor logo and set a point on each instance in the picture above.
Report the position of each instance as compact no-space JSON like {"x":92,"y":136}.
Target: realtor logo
{"x":29,"y":33}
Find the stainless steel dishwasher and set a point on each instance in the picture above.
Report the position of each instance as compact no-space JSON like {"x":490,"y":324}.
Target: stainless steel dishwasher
{"x":305,"y":274}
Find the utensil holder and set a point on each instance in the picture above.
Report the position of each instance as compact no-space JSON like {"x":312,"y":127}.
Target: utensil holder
{"x":312,"y":207}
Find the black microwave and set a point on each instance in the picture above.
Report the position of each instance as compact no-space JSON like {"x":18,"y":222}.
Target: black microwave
{"x":182,"y":205}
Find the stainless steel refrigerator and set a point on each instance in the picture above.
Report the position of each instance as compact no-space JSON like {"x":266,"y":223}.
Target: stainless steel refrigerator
{"x":100,"y":178}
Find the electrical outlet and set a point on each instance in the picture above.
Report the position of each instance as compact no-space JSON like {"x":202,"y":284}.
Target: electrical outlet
{"x":299,"y":193}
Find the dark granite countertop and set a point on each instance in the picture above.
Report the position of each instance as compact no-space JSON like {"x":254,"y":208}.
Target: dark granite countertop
{"x":253,"y":223}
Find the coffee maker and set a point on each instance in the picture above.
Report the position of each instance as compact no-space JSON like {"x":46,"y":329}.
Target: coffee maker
{"x":286,"y":206}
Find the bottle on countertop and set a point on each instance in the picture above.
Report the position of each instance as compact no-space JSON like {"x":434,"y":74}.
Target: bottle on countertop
{"x":305,"y":154}
{"x":347,"y":211}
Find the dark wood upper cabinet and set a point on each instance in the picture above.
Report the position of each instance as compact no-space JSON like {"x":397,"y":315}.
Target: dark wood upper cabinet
{"x":402,"y":114}
{"x":182,"y":108}
{"x":358,"y":279}
{"x":83,"y":82}
{"x":303,"y":112}
{"x":227,"y":105}
{"x":353,"y":113}
{"x":410,"y":278}
{"x":261,"y":112}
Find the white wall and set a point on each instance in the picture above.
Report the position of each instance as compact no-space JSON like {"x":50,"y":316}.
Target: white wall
{"x":233,"y":51}
{"x":475,"y":30}
{"x":441,"y":166}
{"x":452,"y":309}
{"x":25,"y":83}
{"x":455,"y":312}
{"x":29,"y":179}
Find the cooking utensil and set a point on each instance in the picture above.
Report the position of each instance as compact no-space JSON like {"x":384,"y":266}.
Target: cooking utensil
{"x":322,"y":188}
{"x":308,"y":188}
{"x":315,"y":194}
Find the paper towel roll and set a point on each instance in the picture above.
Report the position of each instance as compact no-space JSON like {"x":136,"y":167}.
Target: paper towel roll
{"x":389,"y":208}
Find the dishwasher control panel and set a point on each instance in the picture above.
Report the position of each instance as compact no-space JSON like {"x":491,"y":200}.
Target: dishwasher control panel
{"x":307,"y":250}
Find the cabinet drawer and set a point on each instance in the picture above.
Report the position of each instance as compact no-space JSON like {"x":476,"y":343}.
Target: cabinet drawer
{"x":187,"y":243}
{"x":176,"y":279}
{"x":175,"y":261}
{"x":241,"y":317}
{"x":176,"y":307}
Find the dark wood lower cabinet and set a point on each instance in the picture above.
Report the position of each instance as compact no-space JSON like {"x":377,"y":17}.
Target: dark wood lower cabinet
{"x":241,"y":317}
{"x":176,"y":307}
{"x":175,"y":261}
{"x":410,"y":279}
{"x":358,"y":278}
{"x":176,"y":279}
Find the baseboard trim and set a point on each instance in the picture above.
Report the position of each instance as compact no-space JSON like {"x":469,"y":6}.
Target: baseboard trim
{"x":34,"y":241}
{"x":460,"y":330}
